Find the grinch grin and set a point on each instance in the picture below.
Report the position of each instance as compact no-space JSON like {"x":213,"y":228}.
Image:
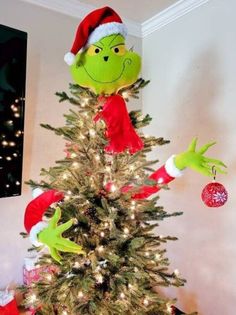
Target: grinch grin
{"x":126,"y":62}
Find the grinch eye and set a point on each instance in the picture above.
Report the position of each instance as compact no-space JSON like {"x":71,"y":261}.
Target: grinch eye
{"x":93,"y":50}
{"x":119,"y":50}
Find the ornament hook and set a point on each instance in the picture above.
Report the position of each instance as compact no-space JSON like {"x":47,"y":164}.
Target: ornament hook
{"x":214,"y":172}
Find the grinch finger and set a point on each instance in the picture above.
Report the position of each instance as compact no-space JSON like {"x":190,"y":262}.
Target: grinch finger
{"x":214,"y":161}
{"x":192,"y":145}
{"x":56,"y":217}
{"x":55,"y":255}
{"x":65,"y":226}
{"x":204,"y":148}
{"x":69,"y":244}
{"x":202,"y":170}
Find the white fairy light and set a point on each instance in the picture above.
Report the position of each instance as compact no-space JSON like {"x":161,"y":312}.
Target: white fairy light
{"x":80,"y":295}
{"x":82,"y":137}
{"x":33,"y":298}
{"x":100,"y":249}
{"x":76,"y":265}
{"x":113,"y":188}
{"x":133,"y":202}
{"x":169,"y":308}
{"x":157,"y":256}
{"x":132,"y":217}
{"x":65,"y":176}
{"x":146,"y":302}
{"x":126,"y":230}
{"x":48,"y":277}
{"x":97,"y":157}
{"x":102,"y":234}
{"x":15,"y":154}
{"x":122,"y":295}
{"x":176,"y":272}
{"x":64,"y":313}
{"x":17,"y":115}
{"x":106,"y":224}
{"x":92,"y":132}
{"x":4,"y":143}
{"x":147,"y":254}
{"x":75,"y":164}
{"x":108,"y":168}
{"x":17,"y":183}
{"x":8,"y":158}
{"x":73,"y":155}
{"x":12,"y":143}
{"x":7,"y":185}
{"x":125,"y":95}
{"x":99,"y":278}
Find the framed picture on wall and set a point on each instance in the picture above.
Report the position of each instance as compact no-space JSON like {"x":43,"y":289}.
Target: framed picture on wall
{"x":13,"y":48}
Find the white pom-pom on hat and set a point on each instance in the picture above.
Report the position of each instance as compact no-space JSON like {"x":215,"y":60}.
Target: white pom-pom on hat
{"x":69,"y":58}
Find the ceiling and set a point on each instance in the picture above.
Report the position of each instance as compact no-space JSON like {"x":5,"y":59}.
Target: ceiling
{"x":135,"y":10}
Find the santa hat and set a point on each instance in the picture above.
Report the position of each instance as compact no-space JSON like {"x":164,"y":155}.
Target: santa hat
{"x":96,"y":25}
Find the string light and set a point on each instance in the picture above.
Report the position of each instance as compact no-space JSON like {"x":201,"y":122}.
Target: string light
{"x":146,"y":302}
{"x":92,"y":132}
{"x":73,"y":155}
{"x":102,"y":234}
{"x":33,"y":298}
{"x":64,"y":312}
{"x":17,"y":183}
{"x":147,"y":254}
{"x":80,"y":295}
{"x":8,"y":158}
{"x":132,"y":217}
{"x":65,"y":176}
{"x":48,"y":277}
{"x":99,"y":278}
{"x":113,"y":188}
{"x":75,"y":164}
{"x":126,"y":230}
{"x":176,"y":272}
{"x":100,"y":249}
{"x":122,"y":295}
{"x":97,"y":157}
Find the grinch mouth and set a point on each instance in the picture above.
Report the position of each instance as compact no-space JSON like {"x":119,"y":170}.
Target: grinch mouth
{"x":126,"y":62}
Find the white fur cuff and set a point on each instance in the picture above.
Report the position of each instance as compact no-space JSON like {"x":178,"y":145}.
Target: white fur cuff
{"x":35,"y":231}
{"x":171,"y":168}
{"x":107,"y":29}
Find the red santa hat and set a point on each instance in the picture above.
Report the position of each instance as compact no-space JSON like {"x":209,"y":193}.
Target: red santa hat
{"x":96,"y":25}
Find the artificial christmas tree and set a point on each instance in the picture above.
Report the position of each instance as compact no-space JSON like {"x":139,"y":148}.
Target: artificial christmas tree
{"x":99,"y":225}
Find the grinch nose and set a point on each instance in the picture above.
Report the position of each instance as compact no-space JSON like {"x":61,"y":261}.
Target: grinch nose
{"x":106,"y":58}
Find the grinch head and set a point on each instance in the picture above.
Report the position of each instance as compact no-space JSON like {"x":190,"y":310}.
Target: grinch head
{"x":99,"y":58}
{"x":106,"y":66}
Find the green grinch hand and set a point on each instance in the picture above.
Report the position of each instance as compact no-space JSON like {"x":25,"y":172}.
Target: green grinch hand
{"x":196,"y":161}
{"x":52,"y":237}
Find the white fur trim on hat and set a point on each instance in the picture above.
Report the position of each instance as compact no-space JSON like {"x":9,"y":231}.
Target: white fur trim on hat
{"x":107,"y":29}
{"x":69,"y":58}
{"x":35,"y":231}
{"x":171,"y":168}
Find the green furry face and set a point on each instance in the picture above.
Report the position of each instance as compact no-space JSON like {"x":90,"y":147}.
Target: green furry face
{"x":106,"y":66}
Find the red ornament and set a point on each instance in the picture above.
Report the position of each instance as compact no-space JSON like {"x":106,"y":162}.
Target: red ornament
{"x":214,"y":195}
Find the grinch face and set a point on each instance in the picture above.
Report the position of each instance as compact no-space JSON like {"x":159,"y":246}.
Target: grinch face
{"x":106,"y":66}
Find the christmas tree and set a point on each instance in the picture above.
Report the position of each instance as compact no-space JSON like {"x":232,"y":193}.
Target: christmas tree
{"x":105,"y":254}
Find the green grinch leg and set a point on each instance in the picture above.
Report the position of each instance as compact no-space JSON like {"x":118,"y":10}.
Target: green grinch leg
{"x":106,"y":66}
{"x":197,"y":161}
{"x":52,"y":237}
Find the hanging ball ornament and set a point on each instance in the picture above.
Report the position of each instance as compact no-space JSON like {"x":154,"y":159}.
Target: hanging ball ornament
{"x":214,"y":194}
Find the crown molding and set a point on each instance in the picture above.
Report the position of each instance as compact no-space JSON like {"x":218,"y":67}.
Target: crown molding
{"x":169,"y":15}
{"x":78,"y":9}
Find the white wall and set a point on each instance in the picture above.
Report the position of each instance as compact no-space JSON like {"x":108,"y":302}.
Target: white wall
{"x":50,"y":35}
{"x":192,"y":67}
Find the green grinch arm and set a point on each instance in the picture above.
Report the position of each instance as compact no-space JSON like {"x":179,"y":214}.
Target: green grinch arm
{"x":52,"y":237}
{"x":197,"y":161}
